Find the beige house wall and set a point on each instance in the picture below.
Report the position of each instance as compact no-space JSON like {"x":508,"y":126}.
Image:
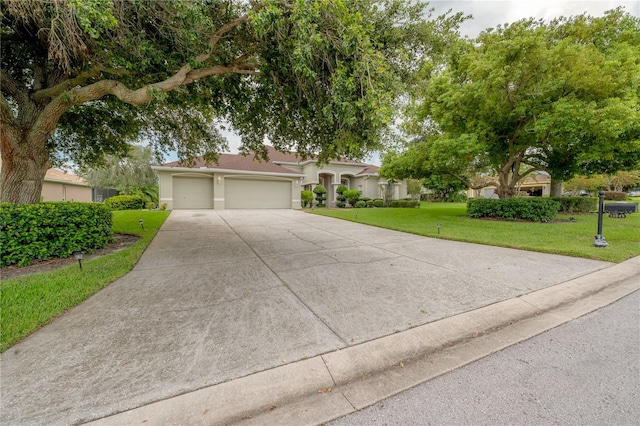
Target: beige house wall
{"x":57,"y":191}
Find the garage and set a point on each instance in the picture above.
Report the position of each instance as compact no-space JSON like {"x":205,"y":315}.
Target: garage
{"x":257,"y":194}
{"x":191,"y":192}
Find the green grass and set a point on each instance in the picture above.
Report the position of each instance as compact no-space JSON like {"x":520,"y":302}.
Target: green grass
{"x":568,"y":238}
{"x":29,"y":302}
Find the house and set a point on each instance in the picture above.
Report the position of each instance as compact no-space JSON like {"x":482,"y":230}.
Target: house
{"x":62,"y":186}
{"x":537,"y":185}
{"x":242,"y":182}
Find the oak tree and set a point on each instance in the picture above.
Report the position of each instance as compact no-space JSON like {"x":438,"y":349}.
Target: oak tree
{"x":559,"y":97}
{"x":84,"y":78}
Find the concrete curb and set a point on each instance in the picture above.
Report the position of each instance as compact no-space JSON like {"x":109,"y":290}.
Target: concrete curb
{"x":328,"y":386}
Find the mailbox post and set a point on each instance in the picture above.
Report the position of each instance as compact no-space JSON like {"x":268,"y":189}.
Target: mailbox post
{"x":600,"y":241}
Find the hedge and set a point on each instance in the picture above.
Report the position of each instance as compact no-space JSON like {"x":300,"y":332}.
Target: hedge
{"x":577,"y":204}
{"x":56,"y":229}
{"x":125,"y":202}
{"x":404,"y":203}
{"x":615,"y":195}
{"x":532,"y":209}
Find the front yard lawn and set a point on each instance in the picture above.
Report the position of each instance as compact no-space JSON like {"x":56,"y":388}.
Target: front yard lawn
{"x":561,"y":236}
{"x":28,"y":302}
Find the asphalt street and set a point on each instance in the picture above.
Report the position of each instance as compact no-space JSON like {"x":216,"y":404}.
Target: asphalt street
{"x":585,"y":372}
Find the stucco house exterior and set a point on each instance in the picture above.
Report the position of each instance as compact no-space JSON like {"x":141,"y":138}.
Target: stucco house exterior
{"x":61,"y":186}
{"x":239,"y":182}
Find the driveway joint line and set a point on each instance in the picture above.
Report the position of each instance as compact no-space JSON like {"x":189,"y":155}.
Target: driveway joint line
{"x":334,"y":332}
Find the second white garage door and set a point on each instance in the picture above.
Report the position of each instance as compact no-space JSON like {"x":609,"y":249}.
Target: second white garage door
{"x":257,"y":194}
{"x":192,"y":192}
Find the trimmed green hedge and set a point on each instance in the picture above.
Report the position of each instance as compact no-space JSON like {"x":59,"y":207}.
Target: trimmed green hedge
{"x":533,"y":209}
{"x":615,"y":195}
{"x":41,"y":231}
{"x":125,"y":202}
{"x":577,"y":204}
{"x":404,"y":203}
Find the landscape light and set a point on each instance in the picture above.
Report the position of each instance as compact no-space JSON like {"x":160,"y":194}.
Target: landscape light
{"x":78,"y":256}
{"x":141,"y":222}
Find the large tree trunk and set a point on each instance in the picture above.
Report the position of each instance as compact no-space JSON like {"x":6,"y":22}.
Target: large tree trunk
{"x":556,"y":188}
{"x":25,"y":161}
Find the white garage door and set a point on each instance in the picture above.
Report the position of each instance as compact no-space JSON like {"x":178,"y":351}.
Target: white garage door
{"x":257,"y":194}
{"x":192,"y":192}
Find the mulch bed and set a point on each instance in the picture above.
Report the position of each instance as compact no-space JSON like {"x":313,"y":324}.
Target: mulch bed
{"x":120,"y":241}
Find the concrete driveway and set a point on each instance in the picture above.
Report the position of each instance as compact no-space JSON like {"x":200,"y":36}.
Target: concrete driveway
{"x":223,"y":294}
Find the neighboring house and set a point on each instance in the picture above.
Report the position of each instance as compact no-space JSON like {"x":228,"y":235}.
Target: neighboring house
{"x":538,"y":185}
{"x":61,"y":186}
{"x":239,"y":182}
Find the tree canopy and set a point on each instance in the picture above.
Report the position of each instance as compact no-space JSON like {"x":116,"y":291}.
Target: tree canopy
{"x":560,"y":97}
{"x":85,"y":78}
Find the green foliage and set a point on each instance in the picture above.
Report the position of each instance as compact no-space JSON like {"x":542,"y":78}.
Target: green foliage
{"x":307,"y":198}
{"x":360,"y":204}
{"x":532,"y":209}
{"x":30,"y":301}
{"x":615,"y":195}
{"x":163,"y":206}
{"x":378,"y":202}
{"x":124,"y":202}
{"x":406,"y":204}
{"x":340,"y":189}
{"x":319,"y":189}
{"x":577,"y":204}
{"x":352,"y":196}
{"x":529,"y":96}
{"x":341,"y":204}
{"x":40,"y":231}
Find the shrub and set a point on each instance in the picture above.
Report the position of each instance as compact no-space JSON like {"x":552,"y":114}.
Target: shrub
{"x":341,"y":205}
{"x":352,"y":196}
{"x":370,"y":203}
{"x":577,"y":204}
{"x":532,"y":209}
{"x":150,"y":205}
{"x":404,"y":203}
{"x":360,"y":204}
{"x":615,"y":195}
{"x":320,"y":190}
{"x":41,"y":231}
{"x":163,"y":206}
{"x":307,"y":198}
{"x":341,"y":198}
{"x":125,"y":202}
{"x":341,"y":189}
{"x":378,"y":202}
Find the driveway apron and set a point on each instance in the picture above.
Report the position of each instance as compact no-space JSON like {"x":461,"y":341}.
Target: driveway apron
{"x":223,"y":294}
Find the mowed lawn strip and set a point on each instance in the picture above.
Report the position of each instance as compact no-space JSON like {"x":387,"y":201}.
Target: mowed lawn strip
{"x":558,"y":237}
{"x":31,"y":301}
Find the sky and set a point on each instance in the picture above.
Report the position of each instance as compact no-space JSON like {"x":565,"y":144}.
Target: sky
{"x":491,"y":13}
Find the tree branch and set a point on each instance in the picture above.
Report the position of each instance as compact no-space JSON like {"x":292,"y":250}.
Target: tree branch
{"x":6,"y":116}
{"x":11,"y":86}
{"x":82,"y":78}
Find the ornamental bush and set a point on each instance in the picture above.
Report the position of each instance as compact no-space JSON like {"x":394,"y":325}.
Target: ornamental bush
{"x":125,"y":202}
{"x":532,"y":209}
{"x":407,"y":204}
{"x":360,"y":204}
{"x":352,"y":196}
{"x":57,"y":229}
{"x":341,"y":189}
{"x":378,"y":202}
{"x":577,"y":204}
{"x":615,"y":195}
{"x":307,"y":198}
{"x":320,"y":190}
